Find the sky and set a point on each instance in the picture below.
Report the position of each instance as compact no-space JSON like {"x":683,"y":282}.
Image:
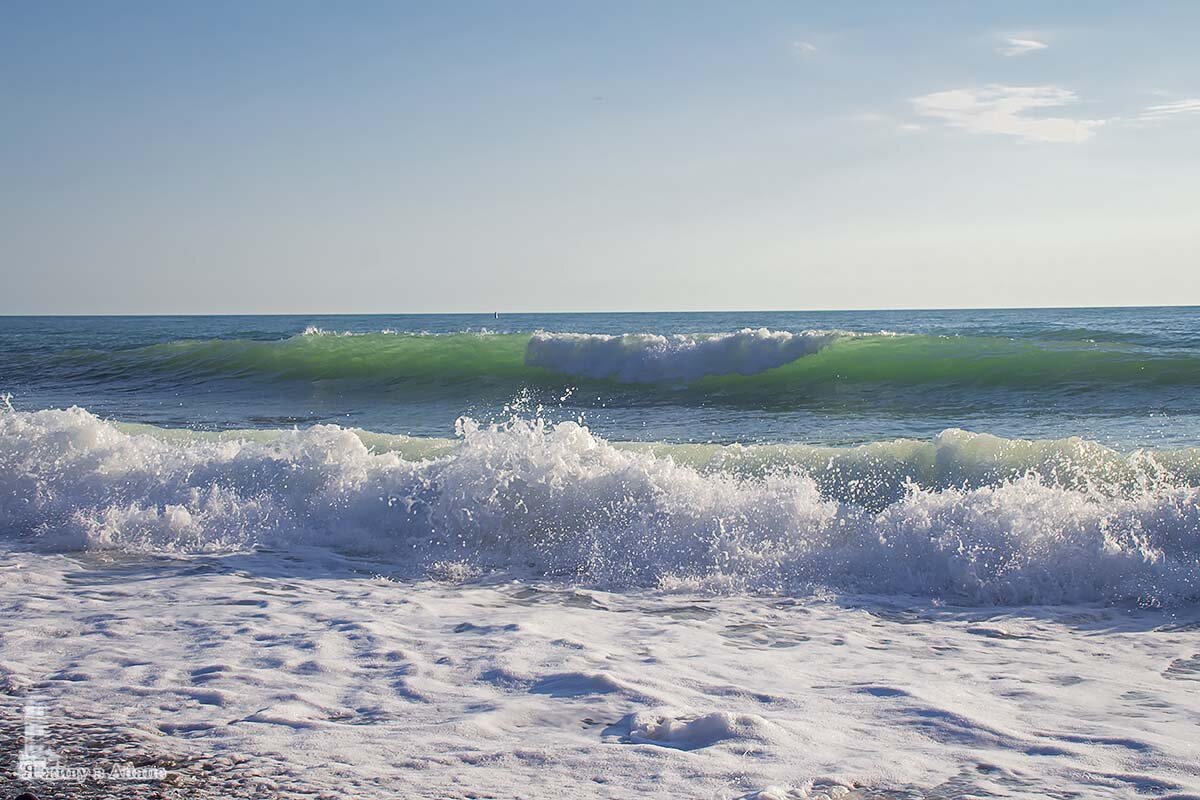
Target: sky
{"x":267,"y":156}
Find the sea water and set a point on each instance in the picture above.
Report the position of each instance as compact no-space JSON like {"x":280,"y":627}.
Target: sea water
{"x":714,"y":555}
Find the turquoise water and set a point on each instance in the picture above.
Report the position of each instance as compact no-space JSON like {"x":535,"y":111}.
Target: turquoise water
{"x":1124,"y":377}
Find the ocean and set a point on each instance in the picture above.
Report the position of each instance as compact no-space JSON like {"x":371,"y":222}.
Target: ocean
{"x":739,"y":555}
{"x":1121,"y":377}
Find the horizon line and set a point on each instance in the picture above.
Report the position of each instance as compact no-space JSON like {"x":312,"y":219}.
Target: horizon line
{"x":613,"y":312}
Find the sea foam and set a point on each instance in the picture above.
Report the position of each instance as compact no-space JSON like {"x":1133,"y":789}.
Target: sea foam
{"x":648,"y":357}
{"x":528,"y":498}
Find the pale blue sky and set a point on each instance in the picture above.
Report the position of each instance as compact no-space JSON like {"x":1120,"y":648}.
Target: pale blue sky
{"x":394,"y":157}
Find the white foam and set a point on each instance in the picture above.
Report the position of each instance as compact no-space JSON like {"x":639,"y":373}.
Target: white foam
{"x":648,"y":357}
{"x":317,"y":330}
{"x":297,"y":677}
{"x":690,"y":734}
{"x":529,"y":498}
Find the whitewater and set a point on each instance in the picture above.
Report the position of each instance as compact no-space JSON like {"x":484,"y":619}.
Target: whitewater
{"x":997,"y":521}
{"x":864,"y":555}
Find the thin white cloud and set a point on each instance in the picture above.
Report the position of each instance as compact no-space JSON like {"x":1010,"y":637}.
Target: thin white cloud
{"x":804,"y":48}
{"x":1003,"y":110}
{"x":875,"y":119}
{"x":1019,"y":47}
{"x":1165,"y":110}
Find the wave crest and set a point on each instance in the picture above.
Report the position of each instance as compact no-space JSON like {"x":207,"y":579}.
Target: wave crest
{"x":650,"y":357}
{"x":525,"y":497}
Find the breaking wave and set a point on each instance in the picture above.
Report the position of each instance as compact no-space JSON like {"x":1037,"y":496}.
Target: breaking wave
{"x":965,"y":517}
{"x":648,"y":357}
{"x":767,"y":366}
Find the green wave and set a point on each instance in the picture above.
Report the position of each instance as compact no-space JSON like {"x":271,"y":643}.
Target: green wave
{"x":499,"y":360}
{"x":320,"y":357}
{"x":978,"y":361}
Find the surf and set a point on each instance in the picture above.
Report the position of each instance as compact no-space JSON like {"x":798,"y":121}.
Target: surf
{"x":653,"y":358}
{"x":963,"y":517}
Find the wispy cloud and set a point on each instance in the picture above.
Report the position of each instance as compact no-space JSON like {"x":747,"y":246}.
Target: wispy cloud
{"x":804,"y":48}
{"x":1165,"y":110}
{"x":1019,"y":47}
{"x":874,"y":118}
{"x":1003,"y":110}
